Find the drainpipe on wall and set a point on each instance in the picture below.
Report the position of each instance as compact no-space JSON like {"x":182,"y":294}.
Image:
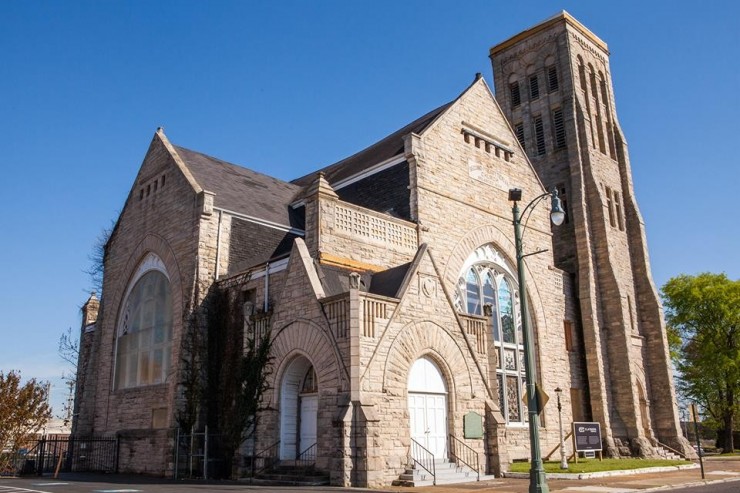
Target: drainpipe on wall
{"x":267,"y":286}
{"x":218,"y":246}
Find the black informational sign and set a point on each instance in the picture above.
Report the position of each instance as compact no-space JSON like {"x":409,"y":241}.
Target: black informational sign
{"x":587,"y":436}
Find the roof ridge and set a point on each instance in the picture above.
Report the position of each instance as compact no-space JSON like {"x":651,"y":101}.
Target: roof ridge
{"x":229,"y":163}
{"x":333,"y":168}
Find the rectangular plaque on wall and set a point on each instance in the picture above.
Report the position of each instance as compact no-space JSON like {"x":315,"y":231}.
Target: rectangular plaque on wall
{"x":473,"y":425}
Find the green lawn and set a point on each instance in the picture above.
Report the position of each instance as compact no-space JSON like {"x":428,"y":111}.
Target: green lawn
{"x":595,"y":465}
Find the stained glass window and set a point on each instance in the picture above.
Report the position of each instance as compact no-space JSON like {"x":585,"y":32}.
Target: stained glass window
{"x":473,"y":293}
{"x":488,"y":280}
{"x":145,"y":333}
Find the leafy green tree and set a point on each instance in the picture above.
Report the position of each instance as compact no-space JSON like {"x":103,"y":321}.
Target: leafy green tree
{"x":239,"y":364}
{"x":24,"y":411}
{"x":704,"y":311}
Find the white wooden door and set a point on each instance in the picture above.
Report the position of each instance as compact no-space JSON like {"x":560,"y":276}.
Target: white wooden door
{"x":308,"y":417}
{"x":428,"y":406}
{"x":428,"y":416}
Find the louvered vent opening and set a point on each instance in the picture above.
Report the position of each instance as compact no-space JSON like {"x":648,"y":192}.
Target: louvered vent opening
{"x":539,"y":135}
{"x":552,"y":79}
{"x":519,"y":131}
{"x":516,"y":98}
{"x":557,"y":121}
{"x":534,"y":88}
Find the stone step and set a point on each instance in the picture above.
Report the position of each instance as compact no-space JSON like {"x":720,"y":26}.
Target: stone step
{"x":446,"y":473}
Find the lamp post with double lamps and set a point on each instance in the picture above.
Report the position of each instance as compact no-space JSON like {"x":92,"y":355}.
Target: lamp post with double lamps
{"x":537,"y":479}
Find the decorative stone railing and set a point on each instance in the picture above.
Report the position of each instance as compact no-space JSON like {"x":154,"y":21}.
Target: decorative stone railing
{"x":337,"y":311}
{"x":375,"y":227}
{"x":476,"y":328}
{"x":372,"y":311}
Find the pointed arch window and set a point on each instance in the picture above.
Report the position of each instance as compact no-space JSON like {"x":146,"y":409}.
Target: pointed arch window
{"x":488,"y":279}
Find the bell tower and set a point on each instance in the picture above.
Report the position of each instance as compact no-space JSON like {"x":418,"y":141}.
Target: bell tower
{"x":553,"y":82}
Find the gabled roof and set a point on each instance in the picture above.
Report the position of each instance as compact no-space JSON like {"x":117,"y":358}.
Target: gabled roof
{"x":384,"y":149}
{"x":240,"y":189}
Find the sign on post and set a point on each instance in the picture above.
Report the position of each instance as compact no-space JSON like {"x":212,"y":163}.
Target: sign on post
{"x":586,"y":438}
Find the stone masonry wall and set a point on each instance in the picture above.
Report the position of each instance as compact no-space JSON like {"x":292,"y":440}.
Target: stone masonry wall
{"x":147,"y":224}
{"x":462,"y":204}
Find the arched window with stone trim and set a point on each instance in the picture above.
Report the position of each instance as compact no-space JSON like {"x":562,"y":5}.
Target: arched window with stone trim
{"x":144,"y":331}
{"x":487,"y":279}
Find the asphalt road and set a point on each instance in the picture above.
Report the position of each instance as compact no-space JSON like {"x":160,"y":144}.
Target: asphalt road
{"x":723,"y":476}
{"x":137,"y":485}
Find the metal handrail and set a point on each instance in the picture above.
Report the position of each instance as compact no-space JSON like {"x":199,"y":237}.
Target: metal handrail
{"x":268,"y":456}
{"x":680,"y":454}
{"x":307,"y":458}
{"x":424,"y":458}
{"x":465,"y":454}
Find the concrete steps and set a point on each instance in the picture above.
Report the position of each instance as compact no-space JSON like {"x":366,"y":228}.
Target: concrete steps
{"x":446,"y":473}
{"x":667,"y":454}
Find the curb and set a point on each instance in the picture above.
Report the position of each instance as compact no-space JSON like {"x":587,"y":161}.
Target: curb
{"x":603,"y":474}
{"x":693,"y":484}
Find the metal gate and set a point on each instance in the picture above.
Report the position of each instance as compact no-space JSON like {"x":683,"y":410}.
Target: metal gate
{"x":63,"y":453}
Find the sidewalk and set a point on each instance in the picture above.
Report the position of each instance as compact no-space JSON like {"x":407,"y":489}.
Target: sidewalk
{"x":715,"y":470}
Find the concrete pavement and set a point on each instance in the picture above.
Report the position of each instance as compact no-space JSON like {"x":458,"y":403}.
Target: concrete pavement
{"x":716,"y":469}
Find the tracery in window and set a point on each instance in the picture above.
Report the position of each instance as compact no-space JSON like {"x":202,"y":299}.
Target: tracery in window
{"x":144,"y":341}
{"x":309,"y":382}
{"x":488,"y":279}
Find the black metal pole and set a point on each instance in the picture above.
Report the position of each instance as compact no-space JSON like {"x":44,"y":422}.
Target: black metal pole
{"x":695,"y":412}
{"x":537,"y":478}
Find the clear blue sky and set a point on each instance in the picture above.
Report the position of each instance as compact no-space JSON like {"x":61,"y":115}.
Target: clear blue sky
{"x":285,"y":87}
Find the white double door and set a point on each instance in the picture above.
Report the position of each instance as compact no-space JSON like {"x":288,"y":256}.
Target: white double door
{"x":428,"y":416}
{"x":307,"y":416}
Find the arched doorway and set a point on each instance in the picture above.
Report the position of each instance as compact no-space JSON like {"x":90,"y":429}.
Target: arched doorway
{"x":428,"y":406}
{"x":299,"y":404}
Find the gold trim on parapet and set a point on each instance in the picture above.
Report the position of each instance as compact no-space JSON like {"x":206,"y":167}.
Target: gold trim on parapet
{"x":328,"y":259}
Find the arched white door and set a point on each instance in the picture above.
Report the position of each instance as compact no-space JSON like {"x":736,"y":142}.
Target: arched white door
{"x":428,"y":407}
{"x":299,"y":405}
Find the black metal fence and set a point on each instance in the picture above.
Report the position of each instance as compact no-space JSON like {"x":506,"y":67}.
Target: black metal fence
{"x":198,"y":455}
{"x":62,"y":453}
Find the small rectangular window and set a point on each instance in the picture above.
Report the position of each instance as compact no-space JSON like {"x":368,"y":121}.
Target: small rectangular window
{"x":564,"y":201}
{"x":516,"y":97}
{"x":539,"y":135}
{"x":559,"y":127}
{"x":618,"y":209}
{"x":576,"y":404}
{"x":519,"y":131}
{"x":600,"y":133}
{"x":568,"y":329}
{"x":552,"y":79}
{"x":610,"y":206}
{"x":534,"y":88}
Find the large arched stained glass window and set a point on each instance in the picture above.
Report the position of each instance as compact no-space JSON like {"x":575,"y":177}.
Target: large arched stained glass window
{"x":487,"y":279}
{"x":145,"y":332}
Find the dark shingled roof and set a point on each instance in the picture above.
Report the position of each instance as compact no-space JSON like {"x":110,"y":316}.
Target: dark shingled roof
{"x":335,"y":280}
{"x":382,"y":150}
{"x":240,"y":189}
{"x":388,"y":282}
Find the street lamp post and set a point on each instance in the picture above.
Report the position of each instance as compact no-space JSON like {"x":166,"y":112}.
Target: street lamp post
{"x":537,"y":478}
{"x":563,"y":460}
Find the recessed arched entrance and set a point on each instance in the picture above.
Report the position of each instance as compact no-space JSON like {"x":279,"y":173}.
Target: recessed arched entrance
{"x":428,"y":406}
{"x":299,"y":404}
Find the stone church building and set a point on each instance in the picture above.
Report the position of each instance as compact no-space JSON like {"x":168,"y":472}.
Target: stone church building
{"x":388,"y":284}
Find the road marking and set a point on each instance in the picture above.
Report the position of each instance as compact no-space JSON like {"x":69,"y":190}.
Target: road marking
{"x":725,"y":473}
{"x":14,"y":489}
{"x":116,"y":491}
{"x":600,"y":489}
{"x":48,"y":484}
